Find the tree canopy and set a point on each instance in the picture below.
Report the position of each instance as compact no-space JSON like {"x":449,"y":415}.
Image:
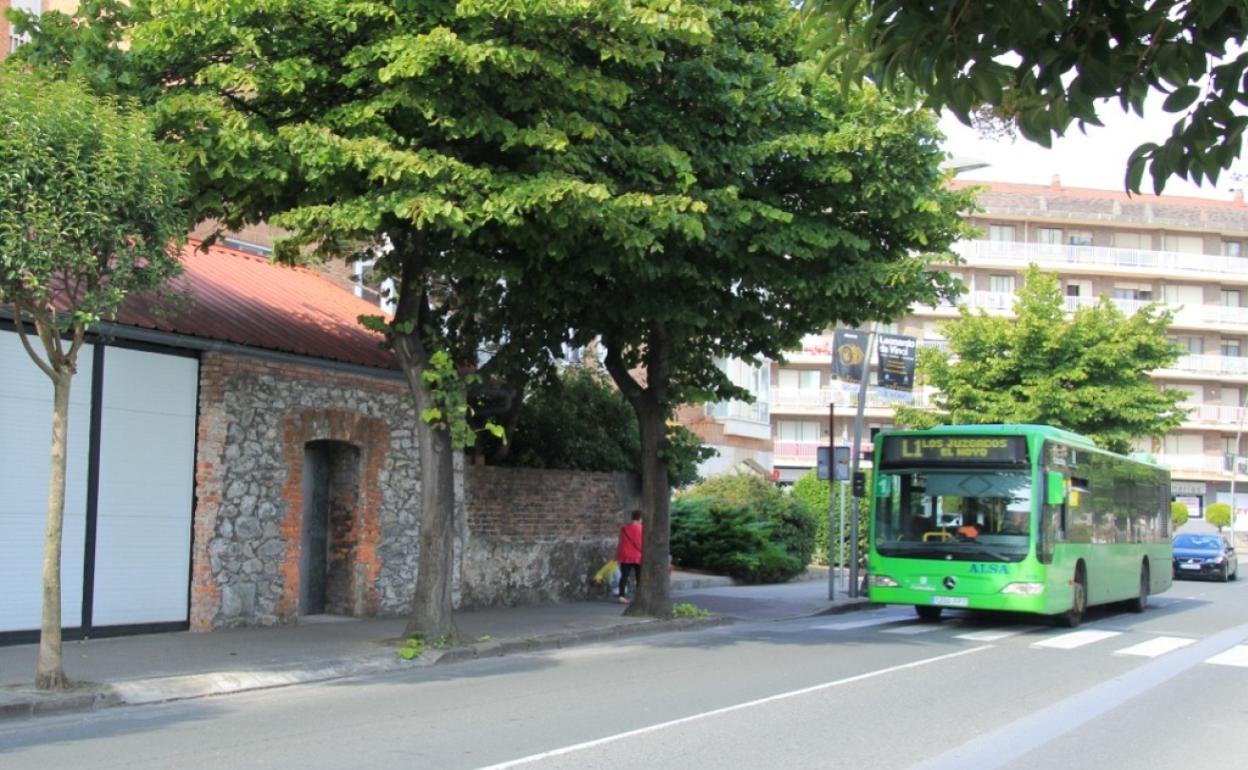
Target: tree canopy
{"x":90,"y":213}
{"x":811,"y":206}
{"x":1049,"y":64}
{"x":665,"y":175}
{"x":1087,"y":372}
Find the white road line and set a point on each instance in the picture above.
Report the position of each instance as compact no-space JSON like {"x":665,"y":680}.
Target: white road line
{"x":1076,"y":639}
{"x":1236,"y":656}
{"x":913,"y":628}
{"x":728,"y":709}
{"x":993,"y":634}
{"x":1154,"y":647}
{"x":852,"y":624}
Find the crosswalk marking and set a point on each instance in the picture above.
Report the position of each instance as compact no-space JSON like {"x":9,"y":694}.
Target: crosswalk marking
{"x":913,"y":628}
{"x":1236,"y":656}
{"x":1154,"y":647}
{"x":1076,"y":639}
{"x":992,"y":634}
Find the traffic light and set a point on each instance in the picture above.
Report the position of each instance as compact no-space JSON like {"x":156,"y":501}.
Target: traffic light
{"x":860,"y":484}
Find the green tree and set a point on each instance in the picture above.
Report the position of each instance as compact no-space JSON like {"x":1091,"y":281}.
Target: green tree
{"x":810,"y":207}
{"x":1049,"y":64}
{"x":470,"y":147}
{"x":815,"y":494}
{"x":90,"y":214}
{"x":1178,"y":513}
{"x":664,"y":175}
{"x":578,"y":420}
{"x":1088,"y":373}
{"x":1219,"y":515}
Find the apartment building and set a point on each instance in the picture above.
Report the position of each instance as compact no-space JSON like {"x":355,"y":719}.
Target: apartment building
{"x":1189,"y":253}
{"x":9,"y":40}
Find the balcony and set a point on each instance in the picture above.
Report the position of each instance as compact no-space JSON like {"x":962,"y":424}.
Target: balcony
{"x":1208,"y":466}
{"x":816,"y":400}
{"x":1212,"y":416}
{"x":1105,"y":259}
{"x":1207,"y":366}
{"x":742,"y":419}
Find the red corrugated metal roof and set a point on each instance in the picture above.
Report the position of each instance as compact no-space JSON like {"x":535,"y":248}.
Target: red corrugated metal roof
{"x":233,"y":296}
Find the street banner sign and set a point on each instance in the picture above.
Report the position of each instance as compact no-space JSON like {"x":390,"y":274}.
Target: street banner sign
{"x":849,"y":354}
{"x":897,"y":353}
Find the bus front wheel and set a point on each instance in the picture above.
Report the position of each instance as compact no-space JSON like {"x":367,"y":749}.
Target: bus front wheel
{"x":927,"y":612}
{"x":1078,"y":601}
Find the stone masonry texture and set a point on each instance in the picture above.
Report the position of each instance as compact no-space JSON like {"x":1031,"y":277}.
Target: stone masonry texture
{"x":523,"y":536}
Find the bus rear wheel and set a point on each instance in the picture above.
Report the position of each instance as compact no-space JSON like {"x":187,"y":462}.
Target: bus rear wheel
{"x":927,"y":612}
{"x":1140,"y":602}
{"x":1078,"y":601}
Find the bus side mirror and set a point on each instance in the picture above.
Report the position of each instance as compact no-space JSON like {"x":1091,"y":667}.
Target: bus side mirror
{"x":1054,"y":488}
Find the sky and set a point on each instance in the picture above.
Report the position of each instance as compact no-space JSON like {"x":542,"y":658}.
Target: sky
{"x":1097,"y":159}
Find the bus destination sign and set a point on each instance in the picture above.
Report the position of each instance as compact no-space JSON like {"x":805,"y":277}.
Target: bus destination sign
{"x":910,"y":451}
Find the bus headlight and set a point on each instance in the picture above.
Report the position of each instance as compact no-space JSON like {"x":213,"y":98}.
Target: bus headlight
{"x":883,"y":581}
{"x":1023,"y":589}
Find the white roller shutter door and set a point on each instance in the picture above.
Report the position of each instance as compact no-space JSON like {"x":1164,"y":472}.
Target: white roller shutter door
{"x":25,"y":456}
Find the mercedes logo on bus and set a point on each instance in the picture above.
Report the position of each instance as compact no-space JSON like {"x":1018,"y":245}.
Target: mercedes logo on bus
{"x":949,"y":583}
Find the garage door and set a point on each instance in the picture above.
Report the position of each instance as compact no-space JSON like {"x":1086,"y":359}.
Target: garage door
{"x":144,"y":492}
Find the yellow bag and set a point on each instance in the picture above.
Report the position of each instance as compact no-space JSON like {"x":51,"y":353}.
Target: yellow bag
{"x":604,"y":574}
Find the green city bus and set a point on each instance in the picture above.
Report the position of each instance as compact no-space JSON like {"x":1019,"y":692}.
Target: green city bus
{"x":1018,"y":518}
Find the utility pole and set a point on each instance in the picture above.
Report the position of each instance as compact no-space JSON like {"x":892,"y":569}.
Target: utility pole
{"x":831,"y":492}
{"x":859,"y":419}
{"x":1239,"y":432}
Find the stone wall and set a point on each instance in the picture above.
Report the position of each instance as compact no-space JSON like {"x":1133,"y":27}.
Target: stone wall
{"x":256,"y":418}
{"x":270,"y":432}
{"x":536,"y":536}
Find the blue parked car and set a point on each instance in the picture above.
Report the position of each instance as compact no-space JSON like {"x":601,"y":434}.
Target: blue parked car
{"x":1199,"y":555}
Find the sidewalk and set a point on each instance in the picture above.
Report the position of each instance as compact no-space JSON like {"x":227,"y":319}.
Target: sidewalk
{"x":162,"y":667}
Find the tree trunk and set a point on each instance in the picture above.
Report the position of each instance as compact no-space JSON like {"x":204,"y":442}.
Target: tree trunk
{"x":432,"y":603}
{"x":50,"y":670}
{"x":654,"y":594}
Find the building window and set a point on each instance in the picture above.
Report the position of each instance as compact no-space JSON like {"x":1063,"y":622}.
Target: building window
{"x":1078,"y":288}
{"x":1001,"y":232}
{"x":799,"y":379}
{"x":1230,"y":347}
{"x":1183,"y":294}
{"x":1079,"y":238}
{"x":1189,"y":345}
{"x":1232,"y":249}
{"x":1136,"y":291}
{"x":1001,"y":284}
{"x":1184,"y":444}
{"x":1230,"y":396}
{"x":1049,"y":235}
{"x":1133,"y":240}
{"x":797,"y":430}
{"x":1230,"y":297}
{"x":1187,"y":244}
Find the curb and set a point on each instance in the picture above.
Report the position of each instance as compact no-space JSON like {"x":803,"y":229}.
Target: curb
{"x":30,"y":703}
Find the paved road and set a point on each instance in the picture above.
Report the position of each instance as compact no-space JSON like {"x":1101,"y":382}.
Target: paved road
{"x":871,"y":690}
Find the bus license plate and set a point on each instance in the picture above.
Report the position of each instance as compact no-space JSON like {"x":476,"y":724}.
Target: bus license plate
{"x":949,"y":601}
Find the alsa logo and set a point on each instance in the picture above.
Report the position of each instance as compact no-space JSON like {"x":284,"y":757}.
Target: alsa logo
{"x":989,"y":569}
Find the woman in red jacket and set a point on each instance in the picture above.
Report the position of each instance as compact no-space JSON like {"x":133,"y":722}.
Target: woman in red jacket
{"x":628,"y":553}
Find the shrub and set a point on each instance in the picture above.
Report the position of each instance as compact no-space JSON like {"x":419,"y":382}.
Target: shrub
{"x":729,"y":539}
{"x":1218,"y":514}
{"x":1178,"y":513}
{"x":814,"y":493}
{"x":792,"y":523}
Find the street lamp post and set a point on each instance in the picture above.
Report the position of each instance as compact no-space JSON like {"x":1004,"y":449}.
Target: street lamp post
{"x":1239,"y":432}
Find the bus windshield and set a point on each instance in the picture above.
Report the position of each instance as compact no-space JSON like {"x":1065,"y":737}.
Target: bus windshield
{"x":952,"y":514}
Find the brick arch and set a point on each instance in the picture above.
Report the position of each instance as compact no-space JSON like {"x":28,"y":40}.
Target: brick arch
{"x":371,"y":436}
